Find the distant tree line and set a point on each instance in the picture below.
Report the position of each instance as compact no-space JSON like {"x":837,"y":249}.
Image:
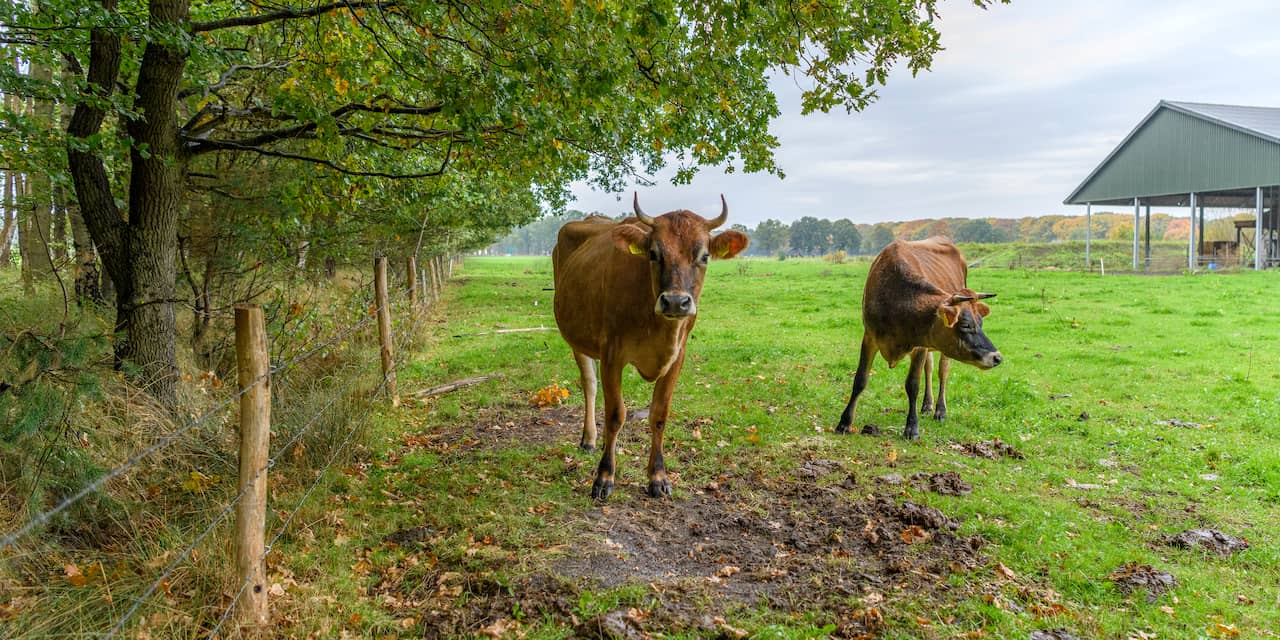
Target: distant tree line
{"x":812,"y":236}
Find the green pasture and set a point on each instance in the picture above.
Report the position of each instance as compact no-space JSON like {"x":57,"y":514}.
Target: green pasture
{"x":1144,"y":406}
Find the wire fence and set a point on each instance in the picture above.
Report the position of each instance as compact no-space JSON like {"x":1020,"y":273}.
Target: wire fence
{"x":394,"y":341}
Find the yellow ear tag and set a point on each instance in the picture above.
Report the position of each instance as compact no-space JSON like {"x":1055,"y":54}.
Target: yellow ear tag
{"x":636,"y":249}
{"x":946,"y":319}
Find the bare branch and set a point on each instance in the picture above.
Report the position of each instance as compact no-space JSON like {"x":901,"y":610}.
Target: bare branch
{"x":286,"y":14}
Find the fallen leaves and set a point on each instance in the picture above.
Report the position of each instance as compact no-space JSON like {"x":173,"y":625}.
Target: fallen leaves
{"x":549,"y":396}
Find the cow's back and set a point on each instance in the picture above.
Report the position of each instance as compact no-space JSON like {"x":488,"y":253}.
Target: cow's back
{"x":601,"y":292}
{"x":903,"y":288}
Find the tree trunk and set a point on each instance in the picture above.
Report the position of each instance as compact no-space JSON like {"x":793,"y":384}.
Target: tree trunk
{"x":88,"y":279}
{"x":139,"y":255}
{"x":41,"y":189}
{"x":9,"y":212}
{"x":21,"y":191}
{"x":145,"y":308}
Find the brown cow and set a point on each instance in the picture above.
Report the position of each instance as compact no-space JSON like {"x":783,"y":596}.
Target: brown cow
{"x":916,"y":301}
{"x":627,"y":293}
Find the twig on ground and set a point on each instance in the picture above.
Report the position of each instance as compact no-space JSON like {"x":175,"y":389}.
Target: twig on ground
{"x":487,"y":333}
{"x":453,"y":386}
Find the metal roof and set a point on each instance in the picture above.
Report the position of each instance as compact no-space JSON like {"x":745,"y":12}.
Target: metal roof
{"x":1220,"y":151}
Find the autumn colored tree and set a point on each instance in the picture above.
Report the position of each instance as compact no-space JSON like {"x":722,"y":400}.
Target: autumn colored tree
{"x":504,"y":95}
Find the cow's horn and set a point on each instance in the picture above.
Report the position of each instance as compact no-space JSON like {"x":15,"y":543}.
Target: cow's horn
{"x":957,"y":298}
{"x":724,"y":215}
{"x":640,"y":212}
{"x":983,"y":296}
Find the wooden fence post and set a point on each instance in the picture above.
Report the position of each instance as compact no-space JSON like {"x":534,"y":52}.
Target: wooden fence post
{"x":252,"y":370}
{"x":411,"y":273}
{"x":384,"y":329}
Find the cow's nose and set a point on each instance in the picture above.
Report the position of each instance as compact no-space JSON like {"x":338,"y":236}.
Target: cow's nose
{"x":675,"y":304}
{"x":996,"y":359}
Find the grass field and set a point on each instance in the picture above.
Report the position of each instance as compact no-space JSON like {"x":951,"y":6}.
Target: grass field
{"x":1141,"y":406}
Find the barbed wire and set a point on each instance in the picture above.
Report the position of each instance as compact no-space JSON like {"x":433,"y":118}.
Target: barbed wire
{"x":405,"y":329}
{"x":400,"y":337}
{"x":213,"y":633}
{"x":44,"y":517}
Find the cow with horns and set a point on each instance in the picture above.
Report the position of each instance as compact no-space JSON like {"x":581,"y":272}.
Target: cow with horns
{"x":627,"y":293}
{"x":917,"y":300}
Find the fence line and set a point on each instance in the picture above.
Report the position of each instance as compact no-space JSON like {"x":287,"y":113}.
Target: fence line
{"x":390,"y":340}
{"x":43,"y":518}
{"x":406,"y":329}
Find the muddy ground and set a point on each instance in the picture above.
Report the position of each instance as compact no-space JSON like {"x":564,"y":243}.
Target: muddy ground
{"x":815,"y":543}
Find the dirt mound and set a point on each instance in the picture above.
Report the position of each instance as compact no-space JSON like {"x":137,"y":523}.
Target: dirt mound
{"x":1207,"y":539}
{"x":1142,"y":577}
{"x":991,"y":449}
{"x":947,"y":483}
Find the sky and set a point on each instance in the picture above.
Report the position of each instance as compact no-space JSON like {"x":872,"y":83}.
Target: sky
{"x":1024,"y":102}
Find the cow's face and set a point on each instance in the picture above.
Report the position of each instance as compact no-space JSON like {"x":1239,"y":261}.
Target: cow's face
{"x":678,"y":245}
{"x":958,"y":330}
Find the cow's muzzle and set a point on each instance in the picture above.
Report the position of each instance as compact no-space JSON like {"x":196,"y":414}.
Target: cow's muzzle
{"x":675,"y":305}
{"x":991,"y":360}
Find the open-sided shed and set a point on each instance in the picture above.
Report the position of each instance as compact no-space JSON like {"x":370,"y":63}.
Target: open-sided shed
{"x":1187,"y":154}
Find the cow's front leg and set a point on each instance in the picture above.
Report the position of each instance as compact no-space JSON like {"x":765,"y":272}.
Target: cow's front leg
{"x":944,"y":370}
{"x":587,"y":378}
{"x":659,"y":408}
{"x":865,"y":358}
{"x":913,"y":389}
{"x":926,"y":404}
{"x":615,"y":414}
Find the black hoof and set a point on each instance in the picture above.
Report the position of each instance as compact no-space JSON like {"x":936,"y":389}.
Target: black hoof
{"x":660,"y":488}
{"x":940,"y":415}
{"x":912,"y":432}
{"x":600,"y":489}
{"x":842,"y":429}
{"x":586,"y":447}
{"x":926,"y":410}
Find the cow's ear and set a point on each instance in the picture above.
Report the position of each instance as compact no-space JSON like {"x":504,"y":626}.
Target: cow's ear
{"x":982,"y":309}
{"x":630,"y":238}
{"x":949,"y":314}
{"x":728,"y":244}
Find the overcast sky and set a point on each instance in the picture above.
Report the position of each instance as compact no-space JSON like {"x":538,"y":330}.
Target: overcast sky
{"x":1024,"y":102}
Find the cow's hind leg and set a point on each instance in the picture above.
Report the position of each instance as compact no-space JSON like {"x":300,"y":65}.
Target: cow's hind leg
{"x":587,"y":369}
{"x":926,"y":404}
{"x":615,"y":414}
{"x":865,"y":358}
{"x":913,"y":389}
{"x":659,"y":409}
{"x":944,"y":370}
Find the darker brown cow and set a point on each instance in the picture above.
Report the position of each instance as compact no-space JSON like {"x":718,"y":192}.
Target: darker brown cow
{"x":916,"y":301}
{"x":627,"y":293}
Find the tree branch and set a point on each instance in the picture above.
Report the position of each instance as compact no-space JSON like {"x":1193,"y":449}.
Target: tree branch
{"x":286,"y":14}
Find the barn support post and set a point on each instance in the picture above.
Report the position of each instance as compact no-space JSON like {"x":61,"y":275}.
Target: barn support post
{"x":1147,"y":234}
{"x":1257,"y":230}
{"x":1191,"y":237}
{"x":1088,"y":231}
{"x":1137,"y":211}
{"x":1200,"y":242}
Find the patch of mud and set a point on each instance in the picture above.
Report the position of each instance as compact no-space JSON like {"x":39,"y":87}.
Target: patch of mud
{"x":813,"y":469}
{"x":502,"y":426}
{"x":1207,"y":540}
{"x":1052,"y":634}
{"x":948,"y":483}
{"x":991,"y":449}
{"x":870,"y":430}
{"x":1143,"y":577}
{"x":411,"y":536}
{"x":793,"y":546}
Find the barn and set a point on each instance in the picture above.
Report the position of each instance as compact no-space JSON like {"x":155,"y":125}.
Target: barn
{"x":1198,"y":156}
